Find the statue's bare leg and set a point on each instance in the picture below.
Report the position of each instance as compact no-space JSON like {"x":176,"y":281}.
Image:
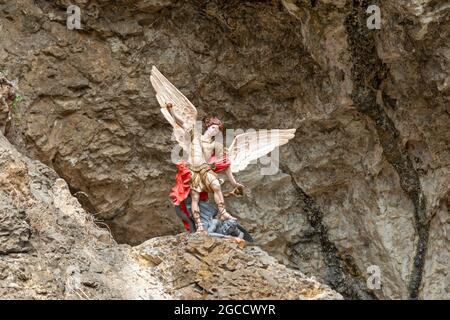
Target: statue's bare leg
{"x":218,"y":198}
{"x":195,"y":197}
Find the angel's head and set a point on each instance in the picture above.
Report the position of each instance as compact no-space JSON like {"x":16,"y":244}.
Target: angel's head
{"x":212,"y":126}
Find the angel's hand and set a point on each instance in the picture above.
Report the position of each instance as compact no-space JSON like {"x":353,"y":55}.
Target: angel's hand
{"x":178,"y":121}
{"x":238,"y":185}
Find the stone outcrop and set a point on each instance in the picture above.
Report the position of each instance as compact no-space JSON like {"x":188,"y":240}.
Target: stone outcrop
{"x":364,"y":183}
{"x":50,"y":248}
{"x":197,"y":267}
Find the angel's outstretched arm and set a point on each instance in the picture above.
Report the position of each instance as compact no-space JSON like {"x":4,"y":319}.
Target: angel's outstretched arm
{"x":231,"y":178}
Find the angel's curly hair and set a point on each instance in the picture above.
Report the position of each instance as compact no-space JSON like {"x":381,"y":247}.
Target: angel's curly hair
{"x":209,"y":121}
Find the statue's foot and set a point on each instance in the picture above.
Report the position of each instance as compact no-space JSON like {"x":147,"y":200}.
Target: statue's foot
{"x":226,"y":216}
{"x":198,"y":223}
{"x":240,"y":242}
{"x":223,"y":214}
{"x":202,"y":232}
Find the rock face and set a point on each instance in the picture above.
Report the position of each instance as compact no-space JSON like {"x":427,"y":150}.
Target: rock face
{"x":197,"y":267}
{"x":50,"y":248}
{"x":364,"y":183}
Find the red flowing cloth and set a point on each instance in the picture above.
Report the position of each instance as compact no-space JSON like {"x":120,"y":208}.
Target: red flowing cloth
{"x":181,"y":189}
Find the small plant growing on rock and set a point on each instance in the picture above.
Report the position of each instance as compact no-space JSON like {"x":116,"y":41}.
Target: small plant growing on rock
{"x":16,"y":101}
{"x":9,"y":102}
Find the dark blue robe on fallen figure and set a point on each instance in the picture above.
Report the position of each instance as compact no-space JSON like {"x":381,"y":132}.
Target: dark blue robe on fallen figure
{"x":215,"y":227}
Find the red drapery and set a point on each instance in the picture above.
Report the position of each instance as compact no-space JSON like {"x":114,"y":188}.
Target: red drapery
{"x":181,"y":189}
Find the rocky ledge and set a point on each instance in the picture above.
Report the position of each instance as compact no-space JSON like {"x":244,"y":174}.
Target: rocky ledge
{"x":199,"y":267}
{"x":50,"y":248}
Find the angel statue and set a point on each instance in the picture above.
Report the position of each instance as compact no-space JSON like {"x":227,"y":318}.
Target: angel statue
{"x":206,"y":158}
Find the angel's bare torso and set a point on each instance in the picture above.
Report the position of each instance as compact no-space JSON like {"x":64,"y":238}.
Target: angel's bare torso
{"x":202,"y":149}
{"x":197,"y":154}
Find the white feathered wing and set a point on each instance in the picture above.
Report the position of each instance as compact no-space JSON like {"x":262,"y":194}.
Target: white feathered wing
{"x":166,"y":92}
{"x":250,"y":146}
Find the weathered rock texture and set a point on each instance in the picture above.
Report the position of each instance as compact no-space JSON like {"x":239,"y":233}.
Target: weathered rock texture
{"x":366,"y":180}
{"x":195,"y":267}
{"x":50,"y":248}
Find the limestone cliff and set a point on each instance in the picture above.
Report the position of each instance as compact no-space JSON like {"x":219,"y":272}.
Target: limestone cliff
{"x":50,"y":248}
{"x":365,"y":181}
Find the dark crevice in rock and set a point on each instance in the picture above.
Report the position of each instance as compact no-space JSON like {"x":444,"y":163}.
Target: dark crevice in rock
{"x":368,"y":73}
{"x":83,"y":198}
{"x":342,"y":274}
